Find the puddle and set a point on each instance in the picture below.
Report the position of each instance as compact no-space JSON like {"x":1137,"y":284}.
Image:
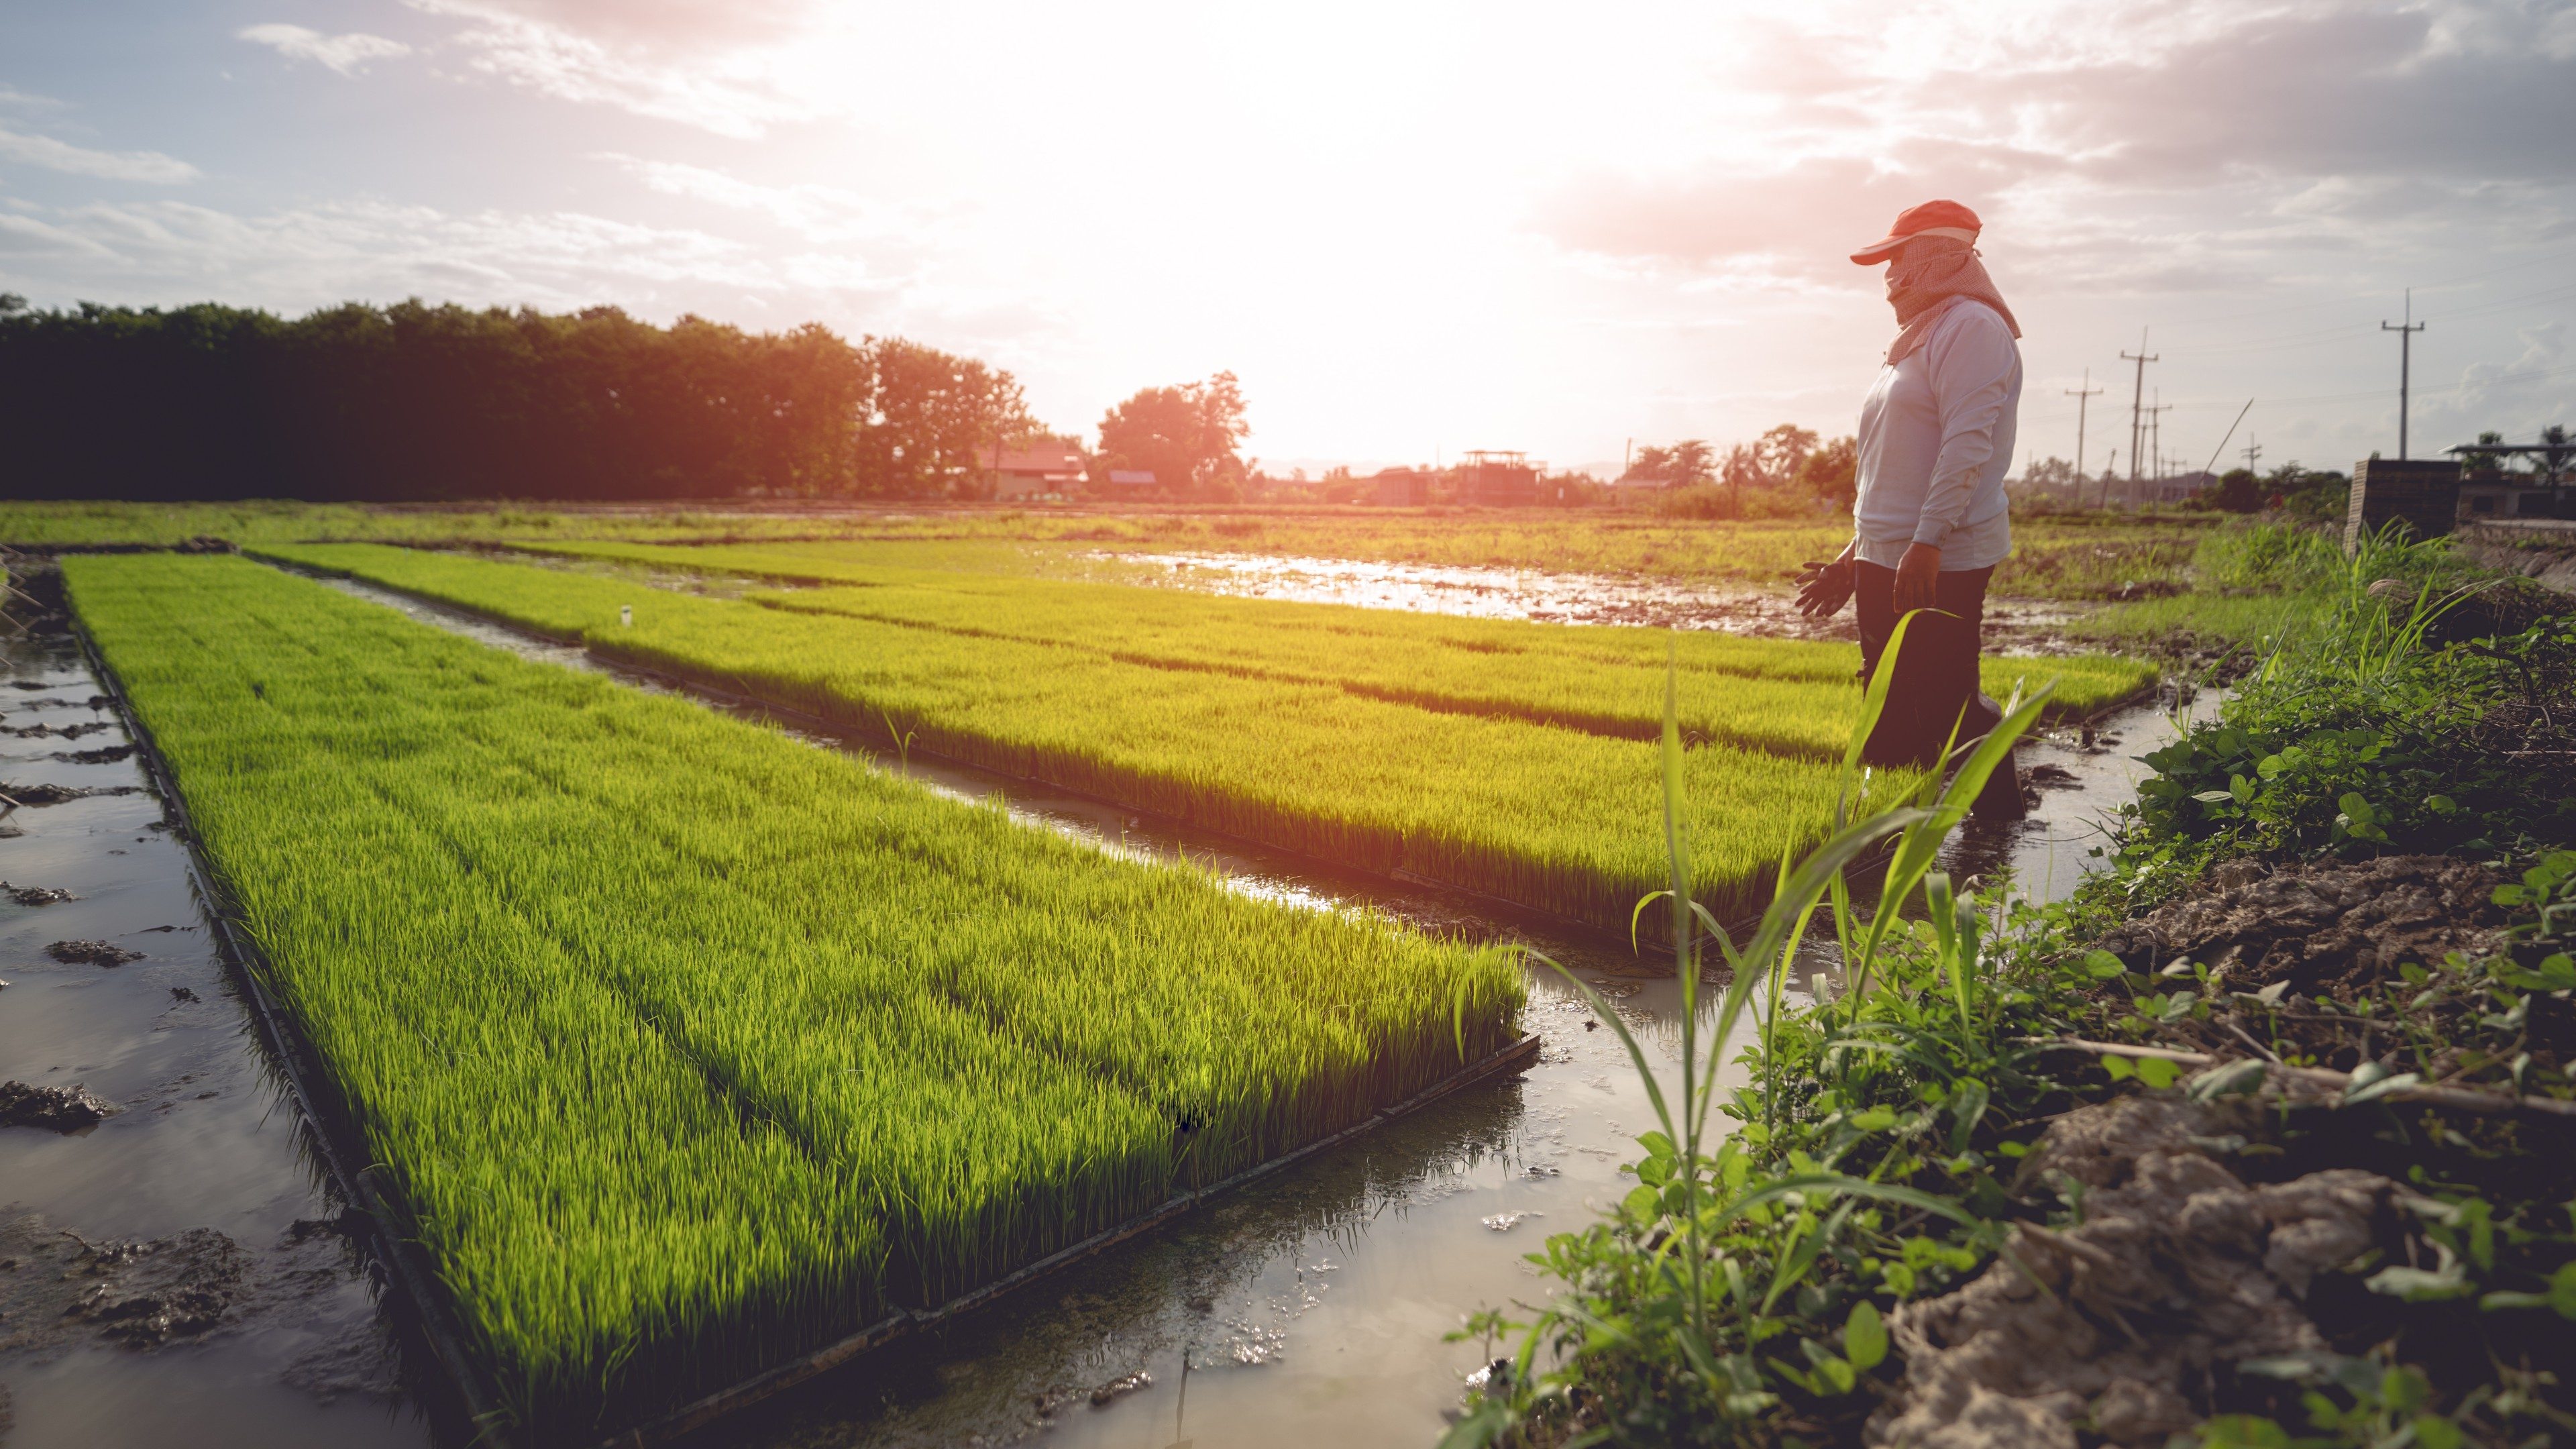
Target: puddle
{"x":2082,"y":775}
{"x":1312,"y":1307}
{"x":2012,"y":625}
{"x":283,"y":1345}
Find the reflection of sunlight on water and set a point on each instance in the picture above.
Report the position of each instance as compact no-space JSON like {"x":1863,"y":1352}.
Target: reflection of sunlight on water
{"x":1543,"y":597}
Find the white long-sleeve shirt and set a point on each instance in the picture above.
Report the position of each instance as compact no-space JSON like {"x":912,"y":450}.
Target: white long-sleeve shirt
{"x":1936,"y":437}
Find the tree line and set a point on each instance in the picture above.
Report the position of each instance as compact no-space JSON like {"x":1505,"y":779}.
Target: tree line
{"x":1790,"y":470}
{"x":415,"y":402}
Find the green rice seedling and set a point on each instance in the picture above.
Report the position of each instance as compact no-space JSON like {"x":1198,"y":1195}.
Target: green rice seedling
{"x":683,"y":1046}
{"x":1545,"y":817}
{"x":1736,"y":691}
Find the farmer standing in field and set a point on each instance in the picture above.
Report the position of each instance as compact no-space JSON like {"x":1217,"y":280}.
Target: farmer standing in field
{"x":1929,"y":522}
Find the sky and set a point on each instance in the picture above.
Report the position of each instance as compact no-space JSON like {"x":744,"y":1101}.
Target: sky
{"x":1409,"y":229}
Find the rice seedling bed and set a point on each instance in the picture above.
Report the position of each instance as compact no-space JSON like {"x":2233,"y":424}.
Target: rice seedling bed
{"x":683,"y":1048}
{"x":1555,"y":820}
{"x":1784,"y":695}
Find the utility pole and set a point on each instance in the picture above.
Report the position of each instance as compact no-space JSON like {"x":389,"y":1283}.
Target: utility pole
{"x":2137,"y":402}
{"x":2253,"y":450}
{"x":2082,"y":396}
{"x":2155,"y":412}
{"x":2405,"y":347}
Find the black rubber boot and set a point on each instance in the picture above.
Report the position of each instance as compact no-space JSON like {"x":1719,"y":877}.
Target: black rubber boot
{"x":2002,"y":798}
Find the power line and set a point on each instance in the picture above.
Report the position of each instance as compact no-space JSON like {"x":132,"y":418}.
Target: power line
{"x":2444,"y":286}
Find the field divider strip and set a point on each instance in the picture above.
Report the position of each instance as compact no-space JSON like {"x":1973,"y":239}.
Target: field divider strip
{"x":688,"y":1418}
{"x":329,"y":1122}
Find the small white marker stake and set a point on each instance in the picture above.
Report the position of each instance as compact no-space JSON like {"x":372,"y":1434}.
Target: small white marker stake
{"x":626,"y":615}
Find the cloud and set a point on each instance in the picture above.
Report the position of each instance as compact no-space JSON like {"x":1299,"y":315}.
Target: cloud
{"x":53,"y":155}
{"x":698,"y":65}
{"x":347,"y":54}
{"x":663,"y":24}
{"x":318,"y":255}
{"x":14,"y":99}
{"x":814,"y":212}
{"x":2220,"y":143}
{"x":1806,"y":218}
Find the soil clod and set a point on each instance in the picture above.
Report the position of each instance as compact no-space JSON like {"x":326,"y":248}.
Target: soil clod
{"x":36,"y":895}
{"x":173,"y":1287}
{"x":2327,"y":928}
{"x":91,"y":953}
{"x":56,"y":1109}
{"x":107,"y":755}
{"x":1120,"y":1387}
{"x":36,"y":795}
{"x":2179,"y":1267}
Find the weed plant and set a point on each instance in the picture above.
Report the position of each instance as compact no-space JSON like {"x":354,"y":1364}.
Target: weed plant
{"x":1741,"y":1292}
{"x":2356,"y":735}
{"x":685,"y":1046}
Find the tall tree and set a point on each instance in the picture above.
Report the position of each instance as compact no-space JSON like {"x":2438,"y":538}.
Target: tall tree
{"x":935,"y":420}
{"x":1188,"y":437}
{"x":1832,"y":470}
{"x":1679,"y":466}
{"x":416,"y":401}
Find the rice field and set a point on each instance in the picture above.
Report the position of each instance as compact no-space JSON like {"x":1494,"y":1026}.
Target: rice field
{"x":685,"y":1046}
{"x":1605,"y":679}
{"x":1560,"y":820}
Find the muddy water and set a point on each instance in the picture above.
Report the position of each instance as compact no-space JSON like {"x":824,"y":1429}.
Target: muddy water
{"x":1311,"y":1308}
{"x":1554,"y":598}
{"x":202,"y":1142}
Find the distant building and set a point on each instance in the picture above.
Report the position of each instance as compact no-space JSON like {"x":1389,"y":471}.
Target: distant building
{"x":2491,"y":487}
{"x":1035,"y":472}
{"x":1402,"y":487}
{"x":1498,"y":480}
{"x":1129,"y":482}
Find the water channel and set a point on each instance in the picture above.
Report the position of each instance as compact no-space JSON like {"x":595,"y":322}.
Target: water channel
{"x":1310,"y":1306}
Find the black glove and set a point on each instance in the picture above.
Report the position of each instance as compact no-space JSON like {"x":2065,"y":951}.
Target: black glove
{"x":1824,"y":588}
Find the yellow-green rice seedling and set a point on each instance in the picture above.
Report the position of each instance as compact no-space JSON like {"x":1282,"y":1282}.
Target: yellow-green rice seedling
{"x":1547,"y":817}
{"x":1738,"y":691}
{"x":685,"y":1046}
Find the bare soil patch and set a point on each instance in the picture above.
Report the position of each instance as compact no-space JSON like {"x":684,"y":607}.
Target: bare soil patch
{"x":55,"y":1109}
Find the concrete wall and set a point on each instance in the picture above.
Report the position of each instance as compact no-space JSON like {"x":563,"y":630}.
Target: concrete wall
{"x":2542,"y":550}
{"x":2423,"y":494}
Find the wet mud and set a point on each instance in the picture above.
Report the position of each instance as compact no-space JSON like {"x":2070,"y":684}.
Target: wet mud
{"x":155,"y":1283}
